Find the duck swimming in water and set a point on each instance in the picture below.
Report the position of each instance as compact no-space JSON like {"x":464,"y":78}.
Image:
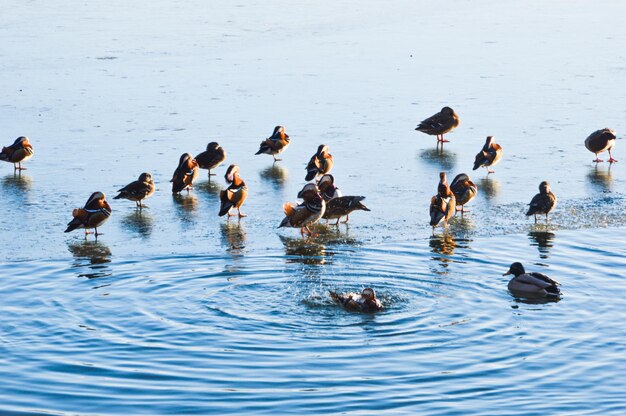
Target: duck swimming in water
{"x":543,"y":202}
{"x":439,"y":124}
{"x":212,"y":157}
{"x":320,"y":164}
{"x":531,"y":284}
{"x":20,"y":151}
{"x":464,"y":190}
{"x":601,"y":141}
{"x":95,"y":213}
{"x":307,"y":213}
{"x":366,"y":301}
{"x":235,"y":195}
{"x":185,"y":173}
{"x":275,"y":144}
{"x":442,"y":205}
{"x":490,"y":155}
{"x":138,"y":190}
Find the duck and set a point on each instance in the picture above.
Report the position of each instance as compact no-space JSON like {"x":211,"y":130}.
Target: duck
{"x":464,"y":190}
{"x":20,"y":151}
{"x":366,"y":301}
{"x":489,"y":155}
{"x":95,"y":213}
{"x":320,"y":164}
{"x":442,"y":205}
{"x":543,"y":202}
{"x":185,"y":173}
{"x":439,"y":124}
{"x":308,"y":212}
{"x":235,"y":195}
{"x":327,"y":187}
{"x":531,"y":284}
{"x":210,"y":159}
{"x":600,"y":141}
{"x":275,"y":144}
{"x":138,"y":190}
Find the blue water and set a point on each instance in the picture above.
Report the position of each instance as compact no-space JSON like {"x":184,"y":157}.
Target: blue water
{"x":175,"y":310}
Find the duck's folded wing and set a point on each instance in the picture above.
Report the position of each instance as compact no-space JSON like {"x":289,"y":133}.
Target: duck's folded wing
{"x":531,"y":279}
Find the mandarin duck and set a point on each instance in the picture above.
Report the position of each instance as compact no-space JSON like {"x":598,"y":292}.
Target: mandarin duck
{"x":95,"y":213}
{"x":275,"y":144}
{"x":235,"y":195}
{"x":320,"y":164}
{"x":307,"y":213}
{"x":489,"y":155}
{"x":20,"y":151}
{"x":464,"y":190}
{"x":366,"y":301}
{"x":185,"y":173}
{"x":212,"y":157}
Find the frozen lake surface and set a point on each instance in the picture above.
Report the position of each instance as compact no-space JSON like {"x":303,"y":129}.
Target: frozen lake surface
{"x":175,"y":310}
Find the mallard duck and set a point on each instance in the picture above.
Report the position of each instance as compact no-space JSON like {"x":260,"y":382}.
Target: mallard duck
{"x":439,"y":124}
{"x":364,"y":302}
{"x":185,"y":173}
{"x":236,"y":193}
{"x":214,"y":156}
{"x":320,"y":164}
{"x":600,"y":141}
{"x":490,"y":155}
{"x":20,"y":151}
{"x":543,"y":202}
{"x":308,"y":212}
{"x":442,"y":205}
{"x":95,"y":212}
{"x":137,"y":190}
{"x":275,"y":144}
{"x":464,"y":190}
{"x":533,"y":284}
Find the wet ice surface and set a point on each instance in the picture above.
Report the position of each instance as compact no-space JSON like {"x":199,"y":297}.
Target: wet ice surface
{"x":108,"y":91}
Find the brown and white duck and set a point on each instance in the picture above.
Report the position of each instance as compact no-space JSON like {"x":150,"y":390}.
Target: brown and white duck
{"x":531,"y":284}
{"x":275,"y":144}
{"x":307,"y":213}
{"x":320,"y":164}
{"x":543,"y":202}
{"x":442,"y":205}
{"x":185,"y":173}
{"x":489,"y":155}
{"x":337,"y":205}
{"x":439,"y":124}
{"x":366,"y":301}
{"x":138,"y":190}
{"x":235,"y":195}
{"x":601,"y":141}
{"x":95,"y":213}
{"x":464,"y":190}
{"x":20,"y":151}
{"x":212,"y":157}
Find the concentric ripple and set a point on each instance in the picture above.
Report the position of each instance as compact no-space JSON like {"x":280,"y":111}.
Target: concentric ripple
{"x":259,"y":334}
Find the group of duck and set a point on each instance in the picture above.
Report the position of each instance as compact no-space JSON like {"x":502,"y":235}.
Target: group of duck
{"x":322,"y":199}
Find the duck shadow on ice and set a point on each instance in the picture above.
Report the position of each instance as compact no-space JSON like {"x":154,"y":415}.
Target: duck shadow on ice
{"x":91,"y":255}
{"x":444,"y":159}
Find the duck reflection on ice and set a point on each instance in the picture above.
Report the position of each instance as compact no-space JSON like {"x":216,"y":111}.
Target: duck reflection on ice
{"x":601,"y":179}
{"x":138,"y":221}
{"x":186,"y":207}
{"x":445,"y":159}
{"x":16,"y":187}
{"x":276,"y":174}
{"x":91,"y":254}
{"x":489,"y":187}
{"x":309,"y":251}
{"x":211,"y":188}
{"x":233,"y":236}
{"x":544,"y":240}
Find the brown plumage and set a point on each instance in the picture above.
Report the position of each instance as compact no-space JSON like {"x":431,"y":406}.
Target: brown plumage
{"x":441,"y":210}
{"x":327,"y":187}
{"x":275,"y":144}
{"x":138,"y":190}
{"x":439,"y":124}
{"x":235,"y":195}
{"x":20,"y":151}
{"x":185,"y":173}
{"x":543,"y":202}
{"x":308,"y":212}
{"x":464,"y":190}
{"x":601,"y":141}
{"x":320,"y":164}
{"x":210,"y":159}
{"x":489,"y":155}
{"x":366,"y":301}
{"x":343,"y":206}
{"x":95,"y":212}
